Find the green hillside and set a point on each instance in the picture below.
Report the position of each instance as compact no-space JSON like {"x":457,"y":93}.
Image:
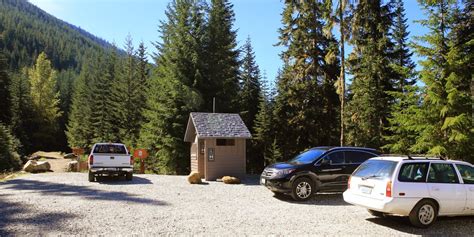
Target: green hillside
{"x":27,"y":31}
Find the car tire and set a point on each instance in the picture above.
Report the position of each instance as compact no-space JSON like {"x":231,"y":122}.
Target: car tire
{"x":375,"y":213}
{"x":302,"y":189}
{"x":91,"y":177}
{"x":424,"y":214}
{"x":129,"y":176}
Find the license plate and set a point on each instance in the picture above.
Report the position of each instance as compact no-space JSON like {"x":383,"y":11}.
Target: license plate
{"x":366,"y":190}
{"x":262,"y":181}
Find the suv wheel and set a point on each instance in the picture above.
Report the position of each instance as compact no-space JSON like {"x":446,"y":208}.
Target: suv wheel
{"x":129,"y":176}
{"x":91,"y":177}
{"x":424,"y":214}
{"x":302,"y":189}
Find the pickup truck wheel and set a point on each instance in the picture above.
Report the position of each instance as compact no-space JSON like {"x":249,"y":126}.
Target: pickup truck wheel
{"x":375,"y":213}
{"x":129,"y":176}
{"x":424,"y":214}
{"x":302,"y":189}
{"x":91,"y":177}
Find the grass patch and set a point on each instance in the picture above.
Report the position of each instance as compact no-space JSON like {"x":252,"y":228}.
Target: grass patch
{"x":11,"y":175}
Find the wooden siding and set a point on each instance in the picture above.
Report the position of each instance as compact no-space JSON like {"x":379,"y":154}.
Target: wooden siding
{"x":194,"y":160}
{"x":229,"y":160}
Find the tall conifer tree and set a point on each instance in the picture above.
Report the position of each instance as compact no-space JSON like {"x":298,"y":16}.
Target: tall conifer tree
{"x":369,"y":63}
{"x":306,"y":104}
{"x":4,"y":86}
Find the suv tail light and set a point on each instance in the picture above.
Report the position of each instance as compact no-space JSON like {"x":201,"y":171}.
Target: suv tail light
{"x":349,"y":183}
{"x":388,"y":189}
{"x":91,"y":160}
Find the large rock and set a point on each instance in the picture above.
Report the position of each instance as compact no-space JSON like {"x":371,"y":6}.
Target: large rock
{"x":194,"y":178}
{"x":36,"y":166}
{"x":73,"y":166}
{"x":230,"y":180}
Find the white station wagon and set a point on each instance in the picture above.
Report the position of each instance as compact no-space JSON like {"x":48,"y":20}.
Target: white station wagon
{"x":420,"y":188}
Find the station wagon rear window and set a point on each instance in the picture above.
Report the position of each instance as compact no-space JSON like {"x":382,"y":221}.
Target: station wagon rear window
{"x":110,"y":148}
{"x":378,"y":169}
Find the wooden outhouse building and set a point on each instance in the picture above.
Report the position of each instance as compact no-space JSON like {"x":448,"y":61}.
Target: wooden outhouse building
{"x":217,"y":144}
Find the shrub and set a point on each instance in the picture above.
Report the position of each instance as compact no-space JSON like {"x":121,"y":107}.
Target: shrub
{"x":9,"y":145}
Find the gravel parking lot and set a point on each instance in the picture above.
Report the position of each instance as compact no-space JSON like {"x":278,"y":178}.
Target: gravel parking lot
{"x":66,"y":203}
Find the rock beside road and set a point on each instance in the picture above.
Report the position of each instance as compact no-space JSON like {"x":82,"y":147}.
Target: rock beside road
{"x":194,"y":178}
{"x":230,"y":180}
{"x":72,"y":166}
{"x":70,"y":156}
{"x":33,"y":166}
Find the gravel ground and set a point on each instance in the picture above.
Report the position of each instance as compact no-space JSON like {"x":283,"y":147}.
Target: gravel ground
{"x":65,"y":203}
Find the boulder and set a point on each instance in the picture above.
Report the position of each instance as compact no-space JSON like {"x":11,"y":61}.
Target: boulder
{"x":73,"y":166}
{"x":194,"y":178}
{"x":230,"y":180}
{"x":34,"y":157}
{"x":36,"y":166}
{"x":70,"y":156}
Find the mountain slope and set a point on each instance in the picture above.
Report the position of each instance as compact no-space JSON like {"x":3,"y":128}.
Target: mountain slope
{"x":27,"y":31}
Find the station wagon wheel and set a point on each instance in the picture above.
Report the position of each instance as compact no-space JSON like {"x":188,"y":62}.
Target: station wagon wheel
{"x":424,"y":214}
{"x":302,"y":189}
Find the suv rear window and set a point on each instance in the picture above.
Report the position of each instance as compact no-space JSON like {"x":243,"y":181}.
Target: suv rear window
{"x":413,"y":172}
{"x":110,"y":148}
{"x":376,"y":169}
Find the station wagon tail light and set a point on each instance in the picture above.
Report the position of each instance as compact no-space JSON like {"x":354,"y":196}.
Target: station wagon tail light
{"x":91,"y":160}
{"x":388,"y":189}
{"x":349,"y":183}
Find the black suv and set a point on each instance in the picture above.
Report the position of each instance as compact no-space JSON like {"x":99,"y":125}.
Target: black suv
{"x":317,"y":169}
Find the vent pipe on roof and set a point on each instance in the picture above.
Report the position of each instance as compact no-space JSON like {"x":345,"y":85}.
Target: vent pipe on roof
{"x":213,"y":104}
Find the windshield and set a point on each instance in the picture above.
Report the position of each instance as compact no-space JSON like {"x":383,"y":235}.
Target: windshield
{"x":375,"y":169}
{"x":307,"y":156}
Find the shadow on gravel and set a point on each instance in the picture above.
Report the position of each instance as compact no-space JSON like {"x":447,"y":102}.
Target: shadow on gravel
{"x":320,"y":199}
{"x":251,"y":179}
{"x":452,"y":226}
{"x":48,"y":188}
{"x":18,"y":214}
{"x":110,"y":180}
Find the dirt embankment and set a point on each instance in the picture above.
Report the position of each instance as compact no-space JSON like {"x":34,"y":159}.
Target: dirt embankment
{"x":56,"y":160}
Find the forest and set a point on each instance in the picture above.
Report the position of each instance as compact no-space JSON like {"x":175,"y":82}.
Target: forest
{"x":61,"y":87}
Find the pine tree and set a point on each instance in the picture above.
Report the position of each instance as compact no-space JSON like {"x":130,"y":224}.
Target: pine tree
{"x":45,"y":101}
{"x":249,"y":94}
{"x":9,"y":157}
{"x":22,"y":121}
{"x":4,"y":85}
{"x":401,"y":133}
{"x":307,"y":103}
{"x":369,"y":103}
{"x":222,"y":64}
{"x":129,"y":94}
{"x":263,"y":132}
{"x":171,"y":96}
{"x":446,"y":128}
{"x":80,"y":132}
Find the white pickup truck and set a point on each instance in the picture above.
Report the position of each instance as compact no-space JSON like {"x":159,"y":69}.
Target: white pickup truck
{"x":111,"y":159}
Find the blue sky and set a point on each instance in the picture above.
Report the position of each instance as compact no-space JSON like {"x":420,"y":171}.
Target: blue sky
{"x":113,"y":20}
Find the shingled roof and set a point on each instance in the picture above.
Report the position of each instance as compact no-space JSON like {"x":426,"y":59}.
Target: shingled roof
{"x":215,"y":125}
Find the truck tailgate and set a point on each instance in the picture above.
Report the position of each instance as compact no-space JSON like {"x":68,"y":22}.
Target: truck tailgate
{"x":111,"y":160}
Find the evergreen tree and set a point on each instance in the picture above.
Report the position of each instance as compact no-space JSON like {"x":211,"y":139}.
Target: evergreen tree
{"x":171,"y":96}
{"x":249,"y":94}
{"x":45,"y":101}
{"x":446,"y":128}
{"x":22,"y":121}
{"x":262,"y":130}
{"x":222,"y":59}
{"x":4,"y":85}
{"x":369,"y":103}
{"x":307,"y":103}
{"x":129,"y":94}
{"x":9,"y":157}
{"x":401,"y":135}
{"x":80,"y":132}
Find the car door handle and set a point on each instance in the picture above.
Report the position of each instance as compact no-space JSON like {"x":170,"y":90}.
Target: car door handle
{"x":435,"y":189}
{"x":336,"y":169}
